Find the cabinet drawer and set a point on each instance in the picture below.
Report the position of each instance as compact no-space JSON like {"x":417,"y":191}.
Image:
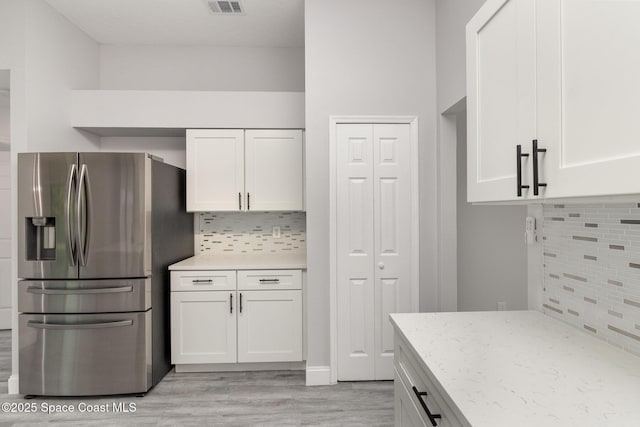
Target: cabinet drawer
{"x":412,"y":376}
{"x":269,"y":279}
{"x":203,"y":280}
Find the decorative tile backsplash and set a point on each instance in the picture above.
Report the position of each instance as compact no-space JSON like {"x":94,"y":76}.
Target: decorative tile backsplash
{"x":592,"y":269}
{"x":250,"y":232}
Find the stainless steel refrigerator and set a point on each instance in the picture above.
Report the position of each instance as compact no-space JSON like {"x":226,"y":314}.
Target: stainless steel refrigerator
{"x":96,"y":234}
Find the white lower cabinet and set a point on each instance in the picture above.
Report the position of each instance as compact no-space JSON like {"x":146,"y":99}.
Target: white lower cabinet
{"x":203,"y":327}
{"x":270,"y":326}
{"x":237,"y":324}
{"x":418,"y":402}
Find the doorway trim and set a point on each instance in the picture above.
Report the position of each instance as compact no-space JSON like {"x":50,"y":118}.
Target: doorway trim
{"x":334,"y":121}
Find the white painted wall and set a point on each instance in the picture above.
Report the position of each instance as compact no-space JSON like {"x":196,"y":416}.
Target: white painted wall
{"x":200,"y":68}
{"x":451,"y":18}
{"x":48,"y":57}
{"x":365,"y":58}
{"x":492,"y":256}
{"x":60,"y":57}
{"x":143,"y":67}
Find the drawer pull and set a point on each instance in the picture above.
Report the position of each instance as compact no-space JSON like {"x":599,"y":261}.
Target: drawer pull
{"x":231,"y":303}
{"x":432,"y":417}
{"x":196,"y":281}
{"x":63,"y":326}
{"x":240,"y":302}
{"x":45,"y":291}
{"x":269,"y":280}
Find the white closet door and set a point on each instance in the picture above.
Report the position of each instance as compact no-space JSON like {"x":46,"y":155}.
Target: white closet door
{"x":355,"y":252}
{"x":589,"y":96}
{"x":374,"y":251}
{"x":392,"y":236}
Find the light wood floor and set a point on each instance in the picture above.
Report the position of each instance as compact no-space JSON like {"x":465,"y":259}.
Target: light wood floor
{"x":277,"y":398}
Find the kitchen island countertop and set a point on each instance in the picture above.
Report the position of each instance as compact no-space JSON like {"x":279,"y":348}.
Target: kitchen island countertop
{"x":523,"y":368}
{"x":242,"y":262}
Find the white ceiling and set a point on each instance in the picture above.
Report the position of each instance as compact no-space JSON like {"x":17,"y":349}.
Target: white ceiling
{"x":266,"y":23}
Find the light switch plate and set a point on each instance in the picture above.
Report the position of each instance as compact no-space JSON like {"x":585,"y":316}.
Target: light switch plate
{"x":275,"y":232}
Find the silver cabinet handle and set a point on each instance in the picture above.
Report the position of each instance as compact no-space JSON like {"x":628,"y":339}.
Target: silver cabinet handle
{"x":199,"y":281}
{"x":269,"y":280}
{"x":63,"y":326}
{"x":71,"y":243}
{"x":45,"y":291}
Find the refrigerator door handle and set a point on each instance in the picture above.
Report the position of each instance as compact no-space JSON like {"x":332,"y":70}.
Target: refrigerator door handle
{"x":83,"y":235}
{"x":45,"y":291}
{"x":68,"y":211}
{"x":58,"y":326}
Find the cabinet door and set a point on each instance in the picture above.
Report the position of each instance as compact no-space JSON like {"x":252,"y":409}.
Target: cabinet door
{"x":203,"y":327}
{"x":215,"y":169}
{"x":405,"y":411}
{"x":500,"y":98}
{"x":589,"y":96}
{"x":273,"y":170}
{"x":269,"y":326}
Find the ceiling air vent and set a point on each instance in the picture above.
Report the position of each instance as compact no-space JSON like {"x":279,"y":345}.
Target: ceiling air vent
{"x":224,"y":7}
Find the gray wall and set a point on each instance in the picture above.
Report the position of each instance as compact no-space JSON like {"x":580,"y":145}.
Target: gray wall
{"x":364,"y":57}
{"x":492,"y":256}
{"x":451,"y":19}
{"x":201,"y":68}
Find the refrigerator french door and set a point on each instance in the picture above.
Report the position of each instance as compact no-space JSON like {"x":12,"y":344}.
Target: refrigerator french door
{"x":86,"y":215}
{"x":93,"y":303}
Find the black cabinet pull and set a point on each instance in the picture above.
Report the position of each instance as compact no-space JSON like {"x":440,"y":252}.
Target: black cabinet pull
{"x":519,"y":156}
{"x":248,"y":201}
{"x":240,"y":302}
{"x":202,"y":281}
{"x":432,"y":417}
{"x":239,"y":201}
{"x":231,"y":303}
{"x":269,"y":280}
{"x":536,"y":183}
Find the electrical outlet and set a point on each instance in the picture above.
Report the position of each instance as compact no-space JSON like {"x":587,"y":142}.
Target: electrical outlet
{"x":502,"y":305}
{"x":275,"y":232}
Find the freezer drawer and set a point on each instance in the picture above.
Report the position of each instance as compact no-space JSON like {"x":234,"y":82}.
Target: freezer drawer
{"x":84,"y":296}
{"x":85,"y":354}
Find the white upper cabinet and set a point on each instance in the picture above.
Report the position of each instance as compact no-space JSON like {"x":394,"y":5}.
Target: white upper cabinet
{"x":500,"y":98}
{"x":215,"y":169}
{"x":238,"y":170}
{"x":562,"y":73}
{"x":589,"y":96}
{"x":273,"y":170}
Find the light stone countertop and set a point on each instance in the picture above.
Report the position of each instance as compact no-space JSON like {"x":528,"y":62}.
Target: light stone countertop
{"x":523,"y":368}
{"x":242,"y":262}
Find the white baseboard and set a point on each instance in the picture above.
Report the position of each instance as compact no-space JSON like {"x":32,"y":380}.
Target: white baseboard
{"x":318,"y":375}
{"x":13,"y":385}
{"x":5,"y":318}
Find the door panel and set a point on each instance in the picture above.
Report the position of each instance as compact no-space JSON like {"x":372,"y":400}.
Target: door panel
{"x":203,"y":327}
{"x":589,"y":96}
{"x":45,"y":183}
{"x":117,"y":206}
{"x":269,"y":326}
{"x":374,"y":244}
{"x":500,"y":96}
{"x":85,"y":354}
{"x":215,"y":170}
{"x":355,"y":251}
{"x":273,"y":170}
{"x":392,"y":236}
